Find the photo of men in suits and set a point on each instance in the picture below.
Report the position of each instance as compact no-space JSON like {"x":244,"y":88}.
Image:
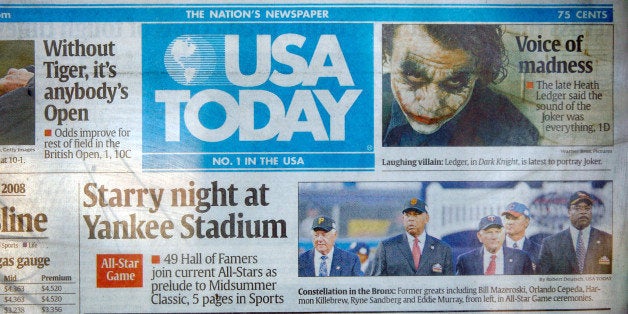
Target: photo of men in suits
{"x":516,"y":220}
{"x":493,"y":258}
{"x":580,"y":249}
{"x":413,"y":253}
{"x":325,"y":259}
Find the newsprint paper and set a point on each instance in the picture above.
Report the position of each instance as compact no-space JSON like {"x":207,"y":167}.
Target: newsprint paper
{"x":320,"y":156}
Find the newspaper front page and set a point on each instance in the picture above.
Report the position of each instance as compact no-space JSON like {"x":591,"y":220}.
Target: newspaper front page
{"x":312,"y":157}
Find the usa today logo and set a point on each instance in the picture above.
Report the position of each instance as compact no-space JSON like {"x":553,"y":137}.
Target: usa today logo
{"x":192,"y":60}
{"x":239,"y":91}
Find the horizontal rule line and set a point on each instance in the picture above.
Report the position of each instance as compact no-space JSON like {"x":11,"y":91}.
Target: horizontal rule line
{"x":459,"y":170}
{"x":479,"y":311}
{"x":310,"y":5}
{"x":69,"y":172}
{"x":255,"y":169}
{"x":256,"y":153}
{"x":36,"y":293}
{"x":39,"y":304}
{"x":39,"y":283}
{"x":492,"y":311}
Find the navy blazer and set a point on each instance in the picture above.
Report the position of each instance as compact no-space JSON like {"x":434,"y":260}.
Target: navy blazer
{"x":516,"y":262}
{"x":558,"y":255}
{"x":344,"y":263}
{"x":394,"y":258}
{"x":533,"y":250}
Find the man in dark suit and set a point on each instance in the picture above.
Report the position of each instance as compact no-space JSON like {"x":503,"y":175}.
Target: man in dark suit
{"x":580,"y":249}
{"x":492,"y":258}
{"x":413,"y":253}
{"x":325,"y":259}
{"x":516,"y":220}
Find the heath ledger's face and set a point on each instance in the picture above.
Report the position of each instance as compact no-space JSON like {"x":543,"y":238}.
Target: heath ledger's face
{"x":324,"y":240}
{"x":431,"y":84}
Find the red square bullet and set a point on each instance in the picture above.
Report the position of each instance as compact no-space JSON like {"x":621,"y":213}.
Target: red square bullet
{"x":529,"y":85}
{"x":154,"y":259}
{"x":47,"y":132}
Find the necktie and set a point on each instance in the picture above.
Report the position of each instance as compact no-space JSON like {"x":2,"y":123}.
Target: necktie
{"x":491,"y":266}
{"x":416,"y":253}
{"x":515,"y":246}
{"x":322,"y":271}
{"x":580,"y":252}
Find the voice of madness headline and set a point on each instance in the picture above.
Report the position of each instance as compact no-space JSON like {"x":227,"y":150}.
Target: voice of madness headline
{"x":198,"y":224}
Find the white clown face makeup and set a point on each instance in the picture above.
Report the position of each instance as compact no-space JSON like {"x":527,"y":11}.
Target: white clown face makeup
{"x":431,"y":84}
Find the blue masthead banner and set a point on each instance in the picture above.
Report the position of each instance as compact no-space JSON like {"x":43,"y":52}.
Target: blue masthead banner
{"x":489,"y":13}
{"x":257,"y":96}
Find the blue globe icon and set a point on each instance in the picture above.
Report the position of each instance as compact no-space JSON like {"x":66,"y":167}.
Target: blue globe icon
{"x":190,"y":60}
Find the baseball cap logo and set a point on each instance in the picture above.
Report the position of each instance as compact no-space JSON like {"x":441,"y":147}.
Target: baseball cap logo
{"x":491,"y":218}
{"x":413,"y":201}
{"x":321,"y":220}
{"x":582,"y":195}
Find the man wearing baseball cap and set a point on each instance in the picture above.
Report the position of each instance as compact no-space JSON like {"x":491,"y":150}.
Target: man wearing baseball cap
{"x":492,"y":258}
{"x":414,"y":252}
{"x":325,"y":259}
{"x":580,"y":249}
{"x":516,"y":220}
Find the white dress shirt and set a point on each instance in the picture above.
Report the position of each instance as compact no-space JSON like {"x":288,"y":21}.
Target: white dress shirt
{"x":511,"y":243}
{"x":585,"y":236}
{"x":499,"y":261}
{"x":422,"y":238}
{"x":318,"y":261}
